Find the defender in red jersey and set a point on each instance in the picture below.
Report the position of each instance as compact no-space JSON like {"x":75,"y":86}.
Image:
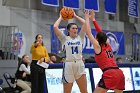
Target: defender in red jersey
{"x":112,"y":77}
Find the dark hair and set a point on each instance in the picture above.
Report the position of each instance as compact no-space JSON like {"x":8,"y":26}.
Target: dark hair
{"x":69,"y":26}
{"x":22,"y":62}
{"x":102,"y":38}
{"x":24,"y":56}
{"x":37,"y":37}
{"x":118,"y":58}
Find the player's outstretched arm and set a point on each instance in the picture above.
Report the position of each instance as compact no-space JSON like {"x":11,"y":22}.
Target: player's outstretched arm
{"x":96,"y":25}
{"x":56,"y":27}
{"x":79,"y":19}
{"x":82,"y":32}
{"x":95,"y":43}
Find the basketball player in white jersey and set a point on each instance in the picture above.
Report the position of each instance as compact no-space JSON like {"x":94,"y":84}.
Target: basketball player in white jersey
{"x":74,"y":68}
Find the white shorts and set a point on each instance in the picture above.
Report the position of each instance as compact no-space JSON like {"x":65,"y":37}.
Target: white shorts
{"x":73,"y":71}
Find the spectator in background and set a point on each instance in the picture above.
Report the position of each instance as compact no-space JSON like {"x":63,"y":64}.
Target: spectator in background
{"x":39,"y":54}
{"x":118,"y":60}
{"x":53,"y":59}
{"x":23,"y":74}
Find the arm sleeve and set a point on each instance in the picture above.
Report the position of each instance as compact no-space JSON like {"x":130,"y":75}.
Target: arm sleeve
{"x":25,"y":69}
{"x":97,"y":27}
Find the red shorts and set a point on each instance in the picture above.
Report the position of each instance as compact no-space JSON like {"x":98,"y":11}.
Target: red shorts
{"x":112,"y":79}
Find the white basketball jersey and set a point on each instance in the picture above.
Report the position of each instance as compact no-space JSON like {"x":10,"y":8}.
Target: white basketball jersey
{"x":73,"y":48}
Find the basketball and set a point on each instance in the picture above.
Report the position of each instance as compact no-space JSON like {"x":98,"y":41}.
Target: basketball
{"x":67,"y":13}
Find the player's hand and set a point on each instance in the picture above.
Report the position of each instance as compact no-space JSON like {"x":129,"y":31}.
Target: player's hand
{"x":87,"y":14}
{"x":60,"y":16}
{"x":92,"y":15}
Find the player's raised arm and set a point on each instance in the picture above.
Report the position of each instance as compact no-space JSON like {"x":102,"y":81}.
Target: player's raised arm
{"x":96,"y":25}
{"x":82,"y":21}
{"x":95,"y":43}
{"x":79,"y":19}
{"x":56,"y":27}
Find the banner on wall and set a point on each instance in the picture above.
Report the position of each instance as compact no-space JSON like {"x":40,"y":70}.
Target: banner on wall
{"x":133,"y":8}
{"x":136,"y":78}
{"x":110,"y":6}
{"x":116,"y":40}
{"x":50,"y":2}
{"x":92,"y":4}
{"x":54,"y":81}
{"x":73,"y":4}
{"x":17,"y":42}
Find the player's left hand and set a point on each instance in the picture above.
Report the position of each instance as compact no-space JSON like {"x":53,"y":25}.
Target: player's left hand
{"x":92,"y":15}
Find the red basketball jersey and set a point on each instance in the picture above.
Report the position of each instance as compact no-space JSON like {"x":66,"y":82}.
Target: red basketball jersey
{"x":105,"y":58}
